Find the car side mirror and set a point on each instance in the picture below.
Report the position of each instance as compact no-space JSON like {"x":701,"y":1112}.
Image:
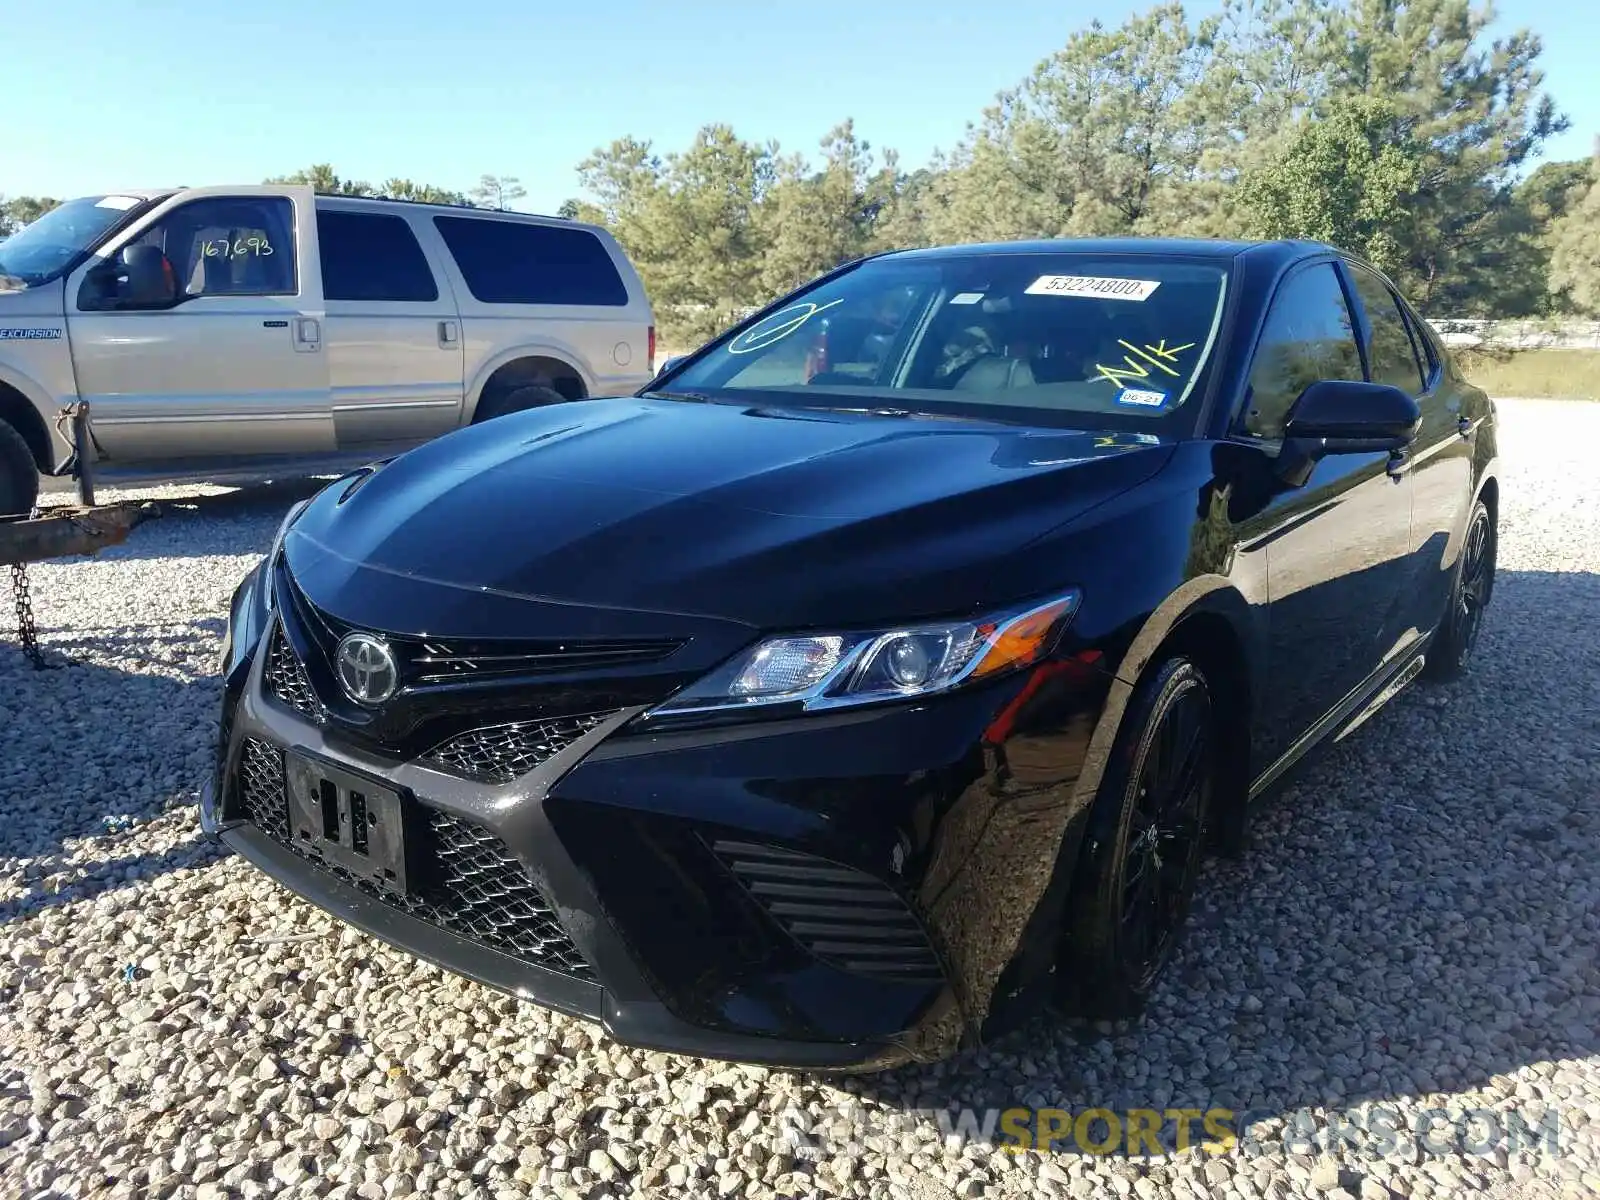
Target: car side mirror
{"x":672,"y":363}
{"x":1345,"y":416}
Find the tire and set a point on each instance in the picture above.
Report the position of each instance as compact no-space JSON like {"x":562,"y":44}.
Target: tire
{"x":532,"y":395}
{"x":19,"y":474}
{"x":1129,"y":904}
{"x":1470,"y":590}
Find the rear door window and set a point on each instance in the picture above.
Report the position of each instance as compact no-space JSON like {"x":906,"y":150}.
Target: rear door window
{"x":372,"y":256}
{"x":513,"y":262}
{"x":1391,"y":356}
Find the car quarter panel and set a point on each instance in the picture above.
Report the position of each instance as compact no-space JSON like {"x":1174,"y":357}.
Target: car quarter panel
{"x":606,"y":345}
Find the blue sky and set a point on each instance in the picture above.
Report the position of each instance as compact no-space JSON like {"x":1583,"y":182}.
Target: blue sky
{"x":107,"y":93}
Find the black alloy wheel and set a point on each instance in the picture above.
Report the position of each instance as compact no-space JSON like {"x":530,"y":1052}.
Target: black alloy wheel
{"x":1457,"y":637}
{"x":1144,"y":845}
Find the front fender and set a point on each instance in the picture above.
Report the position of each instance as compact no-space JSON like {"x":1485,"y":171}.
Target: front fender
{"x":43,"y":406}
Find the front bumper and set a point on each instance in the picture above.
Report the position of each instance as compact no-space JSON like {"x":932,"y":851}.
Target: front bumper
{"x":675,"y":864}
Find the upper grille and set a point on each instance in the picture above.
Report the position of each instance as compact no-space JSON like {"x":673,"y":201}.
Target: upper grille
{"x":468,"y":880}
{"x":429,"y":660}
{"x":843,"y":916}
{"x":458,"y":661}
{"x":500,"y":753}
{"x":286,"y":679}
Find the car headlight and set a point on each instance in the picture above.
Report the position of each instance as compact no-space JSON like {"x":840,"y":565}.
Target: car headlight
{"x":268,"y":573}
{"x":831,"y":670}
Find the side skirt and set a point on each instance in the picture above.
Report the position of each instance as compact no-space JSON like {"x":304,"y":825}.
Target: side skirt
{"x":1348,"y":715}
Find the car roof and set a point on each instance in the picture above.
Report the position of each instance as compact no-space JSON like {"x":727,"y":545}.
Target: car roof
{"x":1278,"y":252}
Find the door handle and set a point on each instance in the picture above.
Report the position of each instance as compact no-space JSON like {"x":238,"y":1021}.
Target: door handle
{"x":307,"y":335}
{"x":447,"y":334}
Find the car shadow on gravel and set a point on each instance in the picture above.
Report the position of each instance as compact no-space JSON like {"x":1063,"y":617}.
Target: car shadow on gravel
{"x":1418,"y":913}
{"x":118,"y":731}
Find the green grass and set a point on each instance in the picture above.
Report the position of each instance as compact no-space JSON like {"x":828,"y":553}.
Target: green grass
{"x":1554,"y":374}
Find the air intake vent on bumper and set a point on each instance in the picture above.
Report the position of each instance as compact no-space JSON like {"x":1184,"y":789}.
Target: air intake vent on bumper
{"x":845,"y":917}
{"x":499,"y":753}
{"x":286,"y":681}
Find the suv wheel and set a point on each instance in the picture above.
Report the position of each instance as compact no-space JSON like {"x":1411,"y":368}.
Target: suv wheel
{"x":1142,"y":850}
{"x":19,"y":474}
{"x":533,"y":395}
{"x":1469,"y":596}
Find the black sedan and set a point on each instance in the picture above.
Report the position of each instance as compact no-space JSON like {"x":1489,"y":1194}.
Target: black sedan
{"x":886,"y":668}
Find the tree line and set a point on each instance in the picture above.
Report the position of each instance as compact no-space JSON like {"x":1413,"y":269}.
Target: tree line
{"x":1396,"y":129}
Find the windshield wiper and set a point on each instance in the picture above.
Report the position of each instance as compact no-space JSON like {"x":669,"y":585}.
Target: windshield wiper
{"x":918,"y":414}
{"x":688,"y":397}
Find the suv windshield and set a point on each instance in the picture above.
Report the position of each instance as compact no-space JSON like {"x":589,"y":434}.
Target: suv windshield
{"x":1084,"y":340}
{"x":39,"y":252}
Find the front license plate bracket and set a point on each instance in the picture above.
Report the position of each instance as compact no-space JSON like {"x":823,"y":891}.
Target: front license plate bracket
{"x":348,"y":819}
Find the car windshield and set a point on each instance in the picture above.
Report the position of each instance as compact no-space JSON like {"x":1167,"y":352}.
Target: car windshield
{"x":1083,"y":340}
{"x":40,"y":251}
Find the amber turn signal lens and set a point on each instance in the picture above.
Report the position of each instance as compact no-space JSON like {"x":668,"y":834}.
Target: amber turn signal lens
{"x":1025,"y":639}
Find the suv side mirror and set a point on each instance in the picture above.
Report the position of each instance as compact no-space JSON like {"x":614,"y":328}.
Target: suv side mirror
{"x":146,"y":279}
{"x":671,"y":363}
{"x":139,"y":277}
{"x":1345,"y":416}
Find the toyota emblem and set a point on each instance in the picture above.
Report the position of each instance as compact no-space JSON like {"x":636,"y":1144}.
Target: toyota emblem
{"x":367,"y":669}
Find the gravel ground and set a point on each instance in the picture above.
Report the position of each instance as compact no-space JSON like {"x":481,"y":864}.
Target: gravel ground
{"x":1416,"y":929}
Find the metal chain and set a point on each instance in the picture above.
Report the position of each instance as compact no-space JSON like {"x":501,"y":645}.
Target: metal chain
{"x":26,"y":629}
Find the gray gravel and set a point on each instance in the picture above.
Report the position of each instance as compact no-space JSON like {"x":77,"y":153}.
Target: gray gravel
{"x":1416,"y":928}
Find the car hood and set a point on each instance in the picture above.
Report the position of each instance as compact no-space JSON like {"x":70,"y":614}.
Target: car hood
{"x":653,"y":510}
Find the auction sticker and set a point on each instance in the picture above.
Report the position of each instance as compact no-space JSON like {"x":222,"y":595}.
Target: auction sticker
{"x":1097,"y":286}
{"x":1141,"y":397}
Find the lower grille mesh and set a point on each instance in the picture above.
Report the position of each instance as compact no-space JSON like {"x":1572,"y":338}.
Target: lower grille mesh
{"x":469,"y":882}
{"x":500,"y":753}
{"x":261,"y":785}
{"x":843,"y":916}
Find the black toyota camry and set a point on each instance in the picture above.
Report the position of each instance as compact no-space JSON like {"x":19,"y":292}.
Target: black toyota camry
{"x":886,"y":667}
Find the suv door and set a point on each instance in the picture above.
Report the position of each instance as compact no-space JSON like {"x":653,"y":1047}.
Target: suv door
{"x":393,"y":333}
{"x":1441,"y":459}
{"x":1337,"y":547}
{"x":229,"y":362}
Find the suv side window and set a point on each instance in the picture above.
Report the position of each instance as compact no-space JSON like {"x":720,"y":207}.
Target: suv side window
{"x":1390,"y":353}
{"x":229,"y":246}
{"x":515,"y":262}
{"x":372,"y":256}
{"x":1308,"y":336}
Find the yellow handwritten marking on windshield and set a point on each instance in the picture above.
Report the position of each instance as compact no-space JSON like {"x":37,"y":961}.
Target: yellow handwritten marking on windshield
{"x":1152,"y":354}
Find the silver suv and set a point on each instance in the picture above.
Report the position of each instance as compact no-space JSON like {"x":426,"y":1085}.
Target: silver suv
{"x":233,"y":332}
